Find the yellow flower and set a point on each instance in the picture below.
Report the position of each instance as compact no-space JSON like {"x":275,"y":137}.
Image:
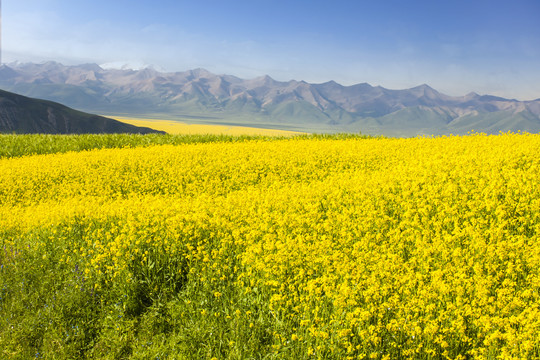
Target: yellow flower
{"x":431,"y":240}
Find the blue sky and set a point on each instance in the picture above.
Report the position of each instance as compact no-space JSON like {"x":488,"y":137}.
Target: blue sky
{"x":490,"y":47}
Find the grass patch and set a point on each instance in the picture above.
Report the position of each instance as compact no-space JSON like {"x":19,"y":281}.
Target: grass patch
{"x":14,"y":145}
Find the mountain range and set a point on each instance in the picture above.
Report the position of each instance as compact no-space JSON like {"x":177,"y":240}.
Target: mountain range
{"x":22,"y":115}
{"x":203,"y":97}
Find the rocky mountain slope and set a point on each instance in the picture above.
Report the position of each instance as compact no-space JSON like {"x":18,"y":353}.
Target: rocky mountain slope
{"x":206,"y":97}
{"x":23,"y":115}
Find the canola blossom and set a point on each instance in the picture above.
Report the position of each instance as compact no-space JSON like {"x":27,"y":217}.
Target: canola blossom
{"x":424,"y":248}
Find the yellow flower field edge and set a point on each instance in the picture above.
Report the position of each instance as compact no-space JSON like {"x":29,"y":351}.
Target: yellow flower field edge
{"x":182,"y":128}
{"x":320,"y":248}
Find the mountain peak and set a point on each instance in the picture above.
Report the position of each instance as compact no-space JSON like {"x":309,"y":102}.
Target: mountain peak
{"x":265,"y":80}
{"x":146,"y":73}
{"x":423,"y":87}
{"x":308,"y":107}
{"x":425,"y":91}
{"x":331,"y":83}
{"x":365,"y":86}
{"x":91,"y":67}
{"x":201,"y":73}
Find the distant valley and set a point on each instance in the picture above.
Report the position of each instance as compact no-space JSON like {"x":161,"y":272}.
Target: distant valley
{"x":202,"y":97}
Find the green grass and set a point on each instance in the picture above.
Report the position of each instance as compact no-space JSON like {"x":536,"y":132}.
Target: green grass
{"x":52,"y":310}
{"x":20,"y":145}
{"x":12,"y":145}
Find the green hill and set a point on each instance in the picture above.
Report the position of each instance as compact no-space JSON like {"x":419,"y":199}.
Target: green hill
{"x":23,"y":115}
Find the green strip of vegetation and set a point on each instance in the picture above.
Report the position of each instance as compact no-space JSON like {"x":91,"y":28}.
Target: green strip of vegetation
{"x":13,"y":145}
{"x":34,"y":144}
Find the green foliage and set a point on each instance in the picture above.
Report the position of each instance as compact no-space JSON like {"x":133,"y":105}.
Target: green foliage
{"x":12,"y":145}
{"x":20,"y":145}
{"x":54,"y":310}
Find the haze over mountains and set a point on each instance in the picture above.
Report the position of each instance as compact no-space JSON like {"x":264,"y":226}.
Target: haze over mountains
{"x":203,"y":97}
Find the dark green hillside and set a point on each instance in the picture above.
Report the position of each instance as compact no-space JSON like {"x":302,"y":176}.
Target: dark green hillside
{"x":22,"y":115}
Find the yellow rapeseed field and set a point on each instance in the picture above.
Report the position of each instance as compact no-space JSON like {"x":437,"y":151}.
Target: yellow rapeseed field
{"x":181,"y":128}
{"x":357,"y":248}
